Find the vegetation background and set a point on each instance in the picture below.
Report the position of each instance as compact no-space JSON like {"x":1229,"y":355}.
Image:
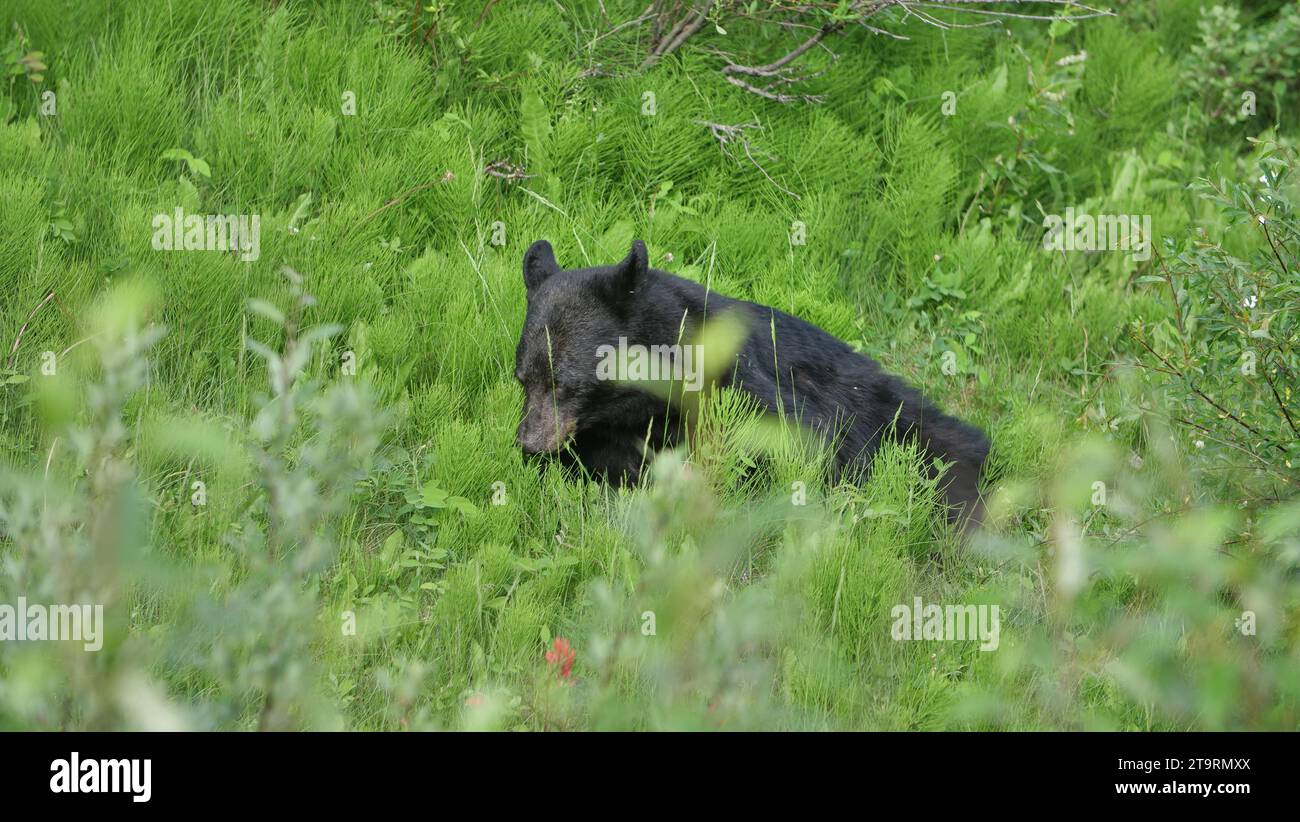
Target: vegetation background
{"x":366,"y":549}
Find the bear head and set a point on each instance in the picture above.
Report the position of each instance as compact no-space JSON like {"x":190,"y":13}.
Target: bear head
{"x":570,"y":315}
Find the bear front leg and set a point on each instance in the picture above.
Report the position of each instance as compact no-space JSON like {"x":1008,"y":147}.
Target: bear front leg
{"x":615,"y":457}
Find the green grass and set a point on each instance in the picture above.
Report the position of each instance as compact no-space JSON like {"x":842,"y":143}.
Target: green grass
{"x":395,"y":242}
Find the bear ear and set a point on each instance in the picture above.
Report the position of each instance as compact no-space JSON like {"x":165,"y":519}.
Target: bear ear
{"x":539,"y":263}
{"x":630,"y":274}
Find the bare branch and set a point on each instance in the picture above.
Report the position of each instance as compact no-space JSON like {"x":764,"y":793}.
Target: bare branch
{"x":728,"y":134}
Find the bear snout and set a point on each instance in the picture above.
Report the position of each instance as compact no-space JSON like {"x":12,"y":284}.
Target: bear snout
{"x":530,"y":440}
{"x":541,"y":433}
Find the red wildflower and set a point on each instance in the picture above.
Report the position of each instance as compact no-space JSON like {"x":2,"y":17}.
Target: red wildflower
{"x":561,"y":656}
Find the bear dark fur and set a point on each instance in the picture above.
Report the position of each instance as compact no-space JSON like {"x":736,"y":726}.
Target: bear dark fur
{"x":607,"y":427}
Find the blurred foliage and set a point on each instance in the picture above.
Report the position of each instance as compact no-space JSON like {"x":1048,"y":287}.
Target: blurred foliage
{"x":1141,"y":610}
{"x":80,"y":534}
{"x":310,"y":447}
{"x":1228,"y":359}
{"x":1239,"y":70}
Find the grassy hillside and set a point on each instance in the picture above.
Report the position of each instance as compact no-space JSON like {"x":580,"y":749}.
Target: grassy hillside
{"x":367,"y":549}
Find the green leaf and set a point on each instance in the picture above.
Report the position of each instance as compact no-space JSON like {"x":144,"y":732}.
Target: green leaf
{"x":392,"y":545}
{"x":300,"y":210}
{"x":463,"y":505}
{"x":431,"y":496}
{"x":999,"y":84}
{"x":1060,"y":27}
{"x":535,"y":126}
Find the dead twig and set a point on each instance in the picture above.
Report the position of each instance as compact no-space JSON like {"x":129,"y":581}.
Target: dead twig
{"x":673,"y":22}
{"x":728,"y":134}
{"x":405,"y":195}
{"x":13,"y":352}
{"x":506,"y":170}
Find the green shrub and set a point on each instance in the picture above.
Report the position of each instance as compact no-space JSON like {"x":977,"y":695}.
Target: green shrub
{"x":1237,"y":71}
{"x":1228,"y":357}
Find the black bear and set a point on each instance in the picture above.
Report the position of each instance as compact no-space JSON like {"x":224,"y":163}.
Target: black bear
{"x":608,"y":427}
